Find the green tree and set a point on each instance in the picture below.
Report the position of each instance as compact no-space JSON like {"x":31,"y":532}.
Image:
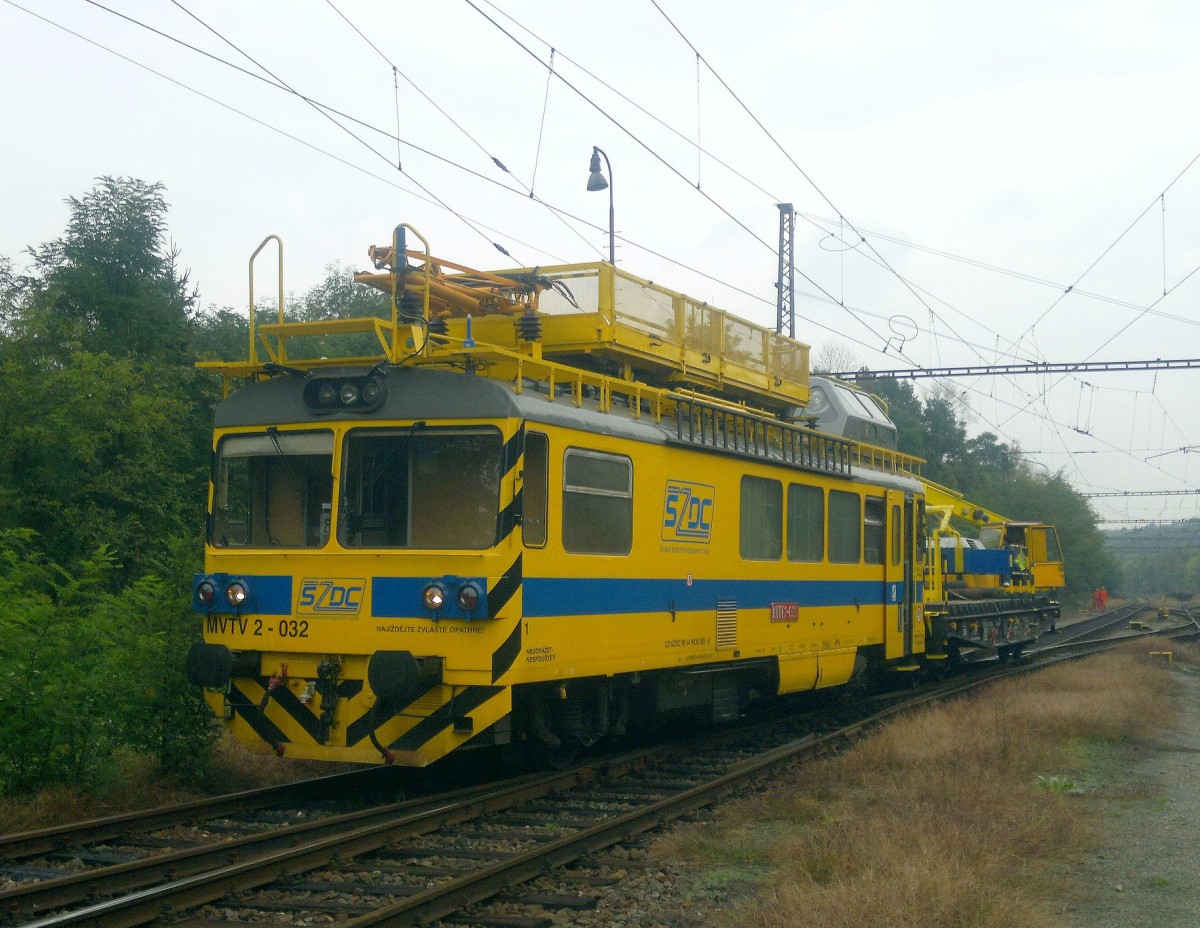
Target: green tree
{"x":87,"y":671}
{"x":10,"y":295}
{"x":105,"y":421}
{"x":337,"y":296}
{"x":221,"y":335}
{"x":905,"y":410}
{"x":985,"y":460}
{"x":102,"y":484}
{"x":111,"y":284}
{"x":100,"y":451}
{"x":944,"y":437}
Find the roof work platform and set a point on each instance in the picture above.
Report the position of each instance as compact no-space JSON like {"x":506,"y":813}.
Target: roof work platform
{"x":584,"y":331}
{"x":599,"y":317}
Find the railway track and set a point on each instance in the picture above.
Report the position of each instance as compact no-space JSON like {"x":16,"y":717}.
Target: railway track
{"x":1128,"y":622}
{"x":303,"y":794}
{"x":424,"y":859}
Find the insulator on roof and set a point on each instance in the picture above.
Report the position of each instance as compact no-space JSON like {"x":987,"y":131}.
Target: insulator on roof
{"x":529,"y":326}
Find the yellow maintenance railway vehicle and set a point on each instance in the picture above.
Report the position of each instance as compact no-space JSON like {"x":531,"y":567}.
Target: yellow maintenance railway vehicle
{"x":544,"y":506}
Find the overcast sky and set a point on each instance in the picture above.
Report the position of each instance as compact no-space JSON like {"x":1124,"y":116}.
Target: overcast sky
{"x":989,"y":153}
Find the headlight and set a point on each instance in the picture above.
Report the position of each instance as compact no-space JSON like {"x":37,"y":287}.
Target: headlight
{"x":236,"y":593}
{"x":468,"y":597}
{"x":333,"y":394}
{"x":434,"y":597}
{"x":372,"y":392}
{"x":327,"y":394}
{"x":206,"y":592}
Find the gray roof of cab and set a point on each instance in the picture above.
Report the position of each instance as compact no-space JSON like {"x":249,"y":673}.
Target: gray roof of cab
{"x":418,"y":393}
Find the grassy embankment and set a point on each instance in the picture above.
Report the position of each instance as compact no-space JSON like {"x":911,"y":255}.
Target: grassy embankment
{"x":958,"y":816}
{"x":134,"y":782}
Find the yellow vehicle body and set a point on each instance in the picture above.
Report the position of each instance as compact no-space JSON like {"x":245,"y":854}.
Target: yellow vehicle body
{"x":670,"y":601}
{"x":555,"y":503}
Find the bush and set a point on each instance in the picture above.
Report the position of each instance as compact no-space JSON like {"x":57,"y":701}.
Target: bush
{"x":87,"y":671}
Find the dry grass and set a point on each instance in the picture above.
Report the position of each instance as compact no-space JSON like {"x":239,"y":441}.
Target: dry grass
{"x":136,"y":783}
{"x":948,"y":818}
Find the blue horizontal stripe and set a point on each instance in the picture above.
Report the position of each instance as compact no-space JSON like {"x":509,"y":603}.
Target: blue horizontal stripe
{"x":546,"y":596}
{"x":402,"y":597}
{"x":269,"y":595}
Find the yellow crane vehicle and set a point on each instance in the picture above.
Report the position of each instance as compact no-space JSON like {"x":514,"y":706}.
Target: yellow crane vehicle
{"x":538,"y":507}
{"x":998,"y":591}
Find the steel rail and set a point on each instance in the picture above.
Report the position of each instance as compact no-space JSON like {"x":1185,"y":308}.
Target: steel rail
{"x":146,"y":905}
{"x":208,"y":885}
{"x":440,"y":901}
{"x":138,"y":874}
{"x":32,"y":843}
{"x":1084,"y":647}
{"x":1101,"y":622}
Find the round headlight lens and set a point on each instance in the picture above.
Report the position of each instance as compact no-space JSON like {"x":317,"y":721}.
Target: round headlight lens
{"x":206,"y":592}
{"x":371,"y":392}
{"x":468,"y":597}
{"x":348,"y":393}
{"x":327,"y":394}
{"x":434,"y":596}
{"x":236,"y":593}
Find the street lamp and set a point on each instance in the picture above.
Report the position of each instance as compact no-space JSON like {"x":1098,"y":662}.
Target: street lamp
{"x":596,"y":181}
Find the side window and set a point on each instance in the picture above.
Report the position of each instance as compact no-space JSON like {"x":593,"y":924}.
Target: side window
{"x":762,"y":519}
{"x":805,"y":523}
{"x":535,"y":486}
{"x":597,"y":503}
{"x":845,"y":527}
{"x":873,"y":530}
{"x":897,"y":537}
{"x":922,"y":532}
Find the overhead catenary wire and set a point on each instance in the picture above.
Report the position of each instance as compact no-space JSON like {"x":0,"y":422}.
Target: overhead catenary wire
{"x":342,"y":127}
{"x":793,"y":162}
{"x":549,"y":76}
{"x":632,"y":135}
{"x":456,"y":123}
{"x":724,"y":283}
{"x":683,"y":265}
{"x":537,"y":152}
{"x":814,"y":219}
{"x":291,"y":90}
{"x":681,"y":175}
{"x":682,"y":136}
{"x":933,"y":316}
{"x":260,"y":122}
{"x":1121,"y":331}
{"x":654,"y":154}
{"x":358,"y":168}
{"x":1113,"y":245}
{"x":863,"y":239}
{"x":826,"y":222}
{"x":281,"y":86}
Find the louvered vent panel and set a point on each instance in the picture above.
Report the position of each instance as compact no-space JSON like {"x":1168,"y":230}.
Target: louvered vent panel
{"x":727,"y":614}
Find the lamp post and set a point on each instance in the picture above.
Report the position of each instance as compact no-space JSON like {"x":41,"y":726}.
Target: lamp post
{"x":596,"y":181}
